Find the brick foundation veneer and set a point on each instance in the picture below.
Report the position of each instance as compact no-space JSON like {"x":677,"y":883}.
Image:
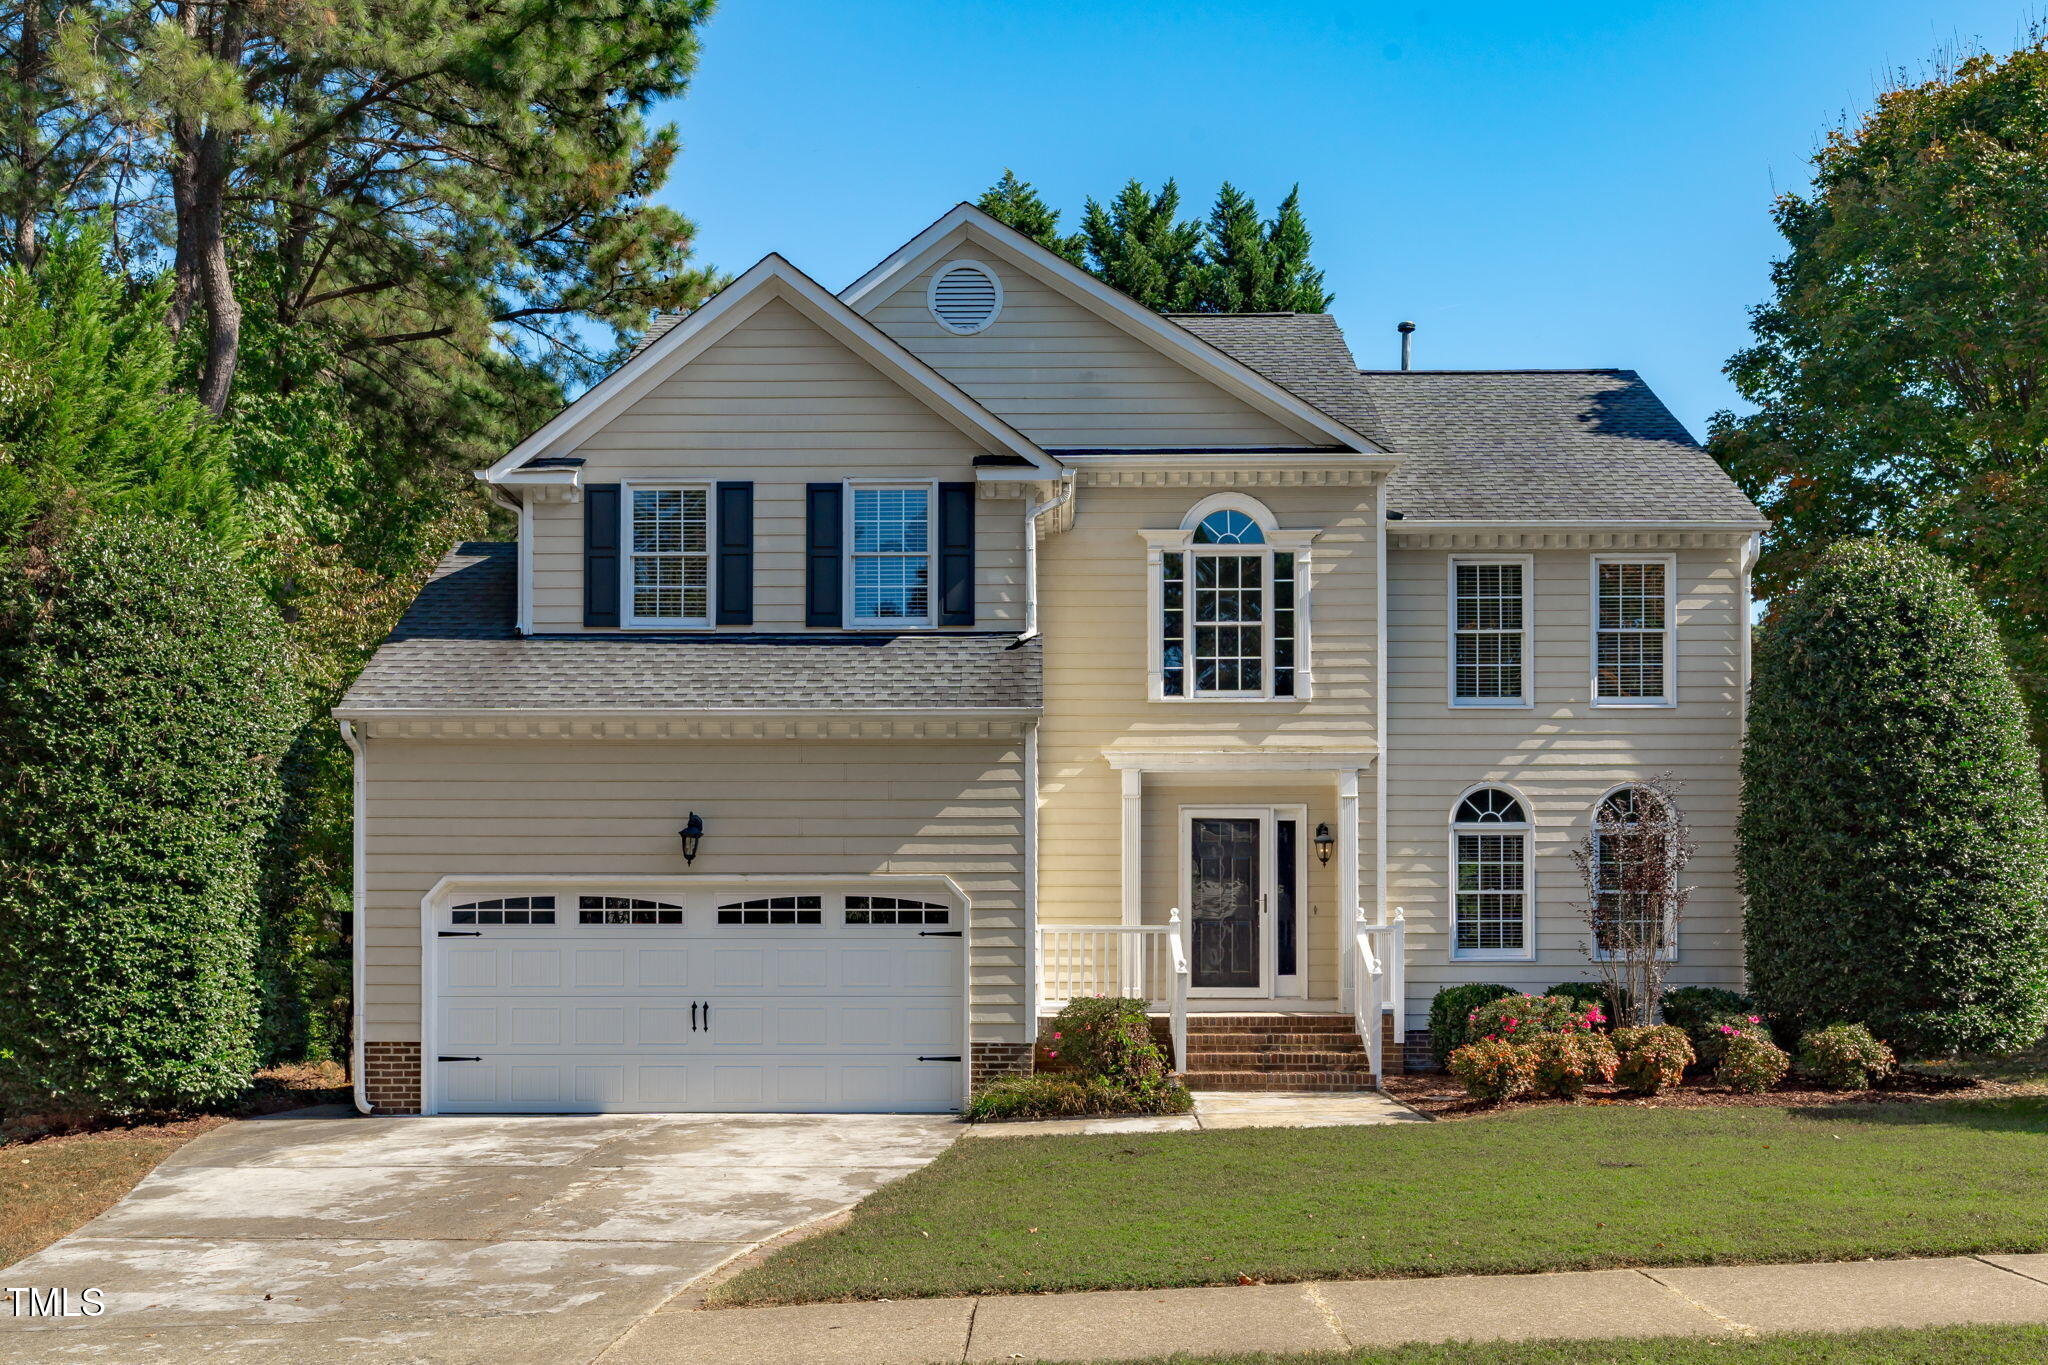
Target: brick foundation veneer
{"x":391,"y":1077}
{"x":993,"y":1061}
{"x":1393,"y":1047}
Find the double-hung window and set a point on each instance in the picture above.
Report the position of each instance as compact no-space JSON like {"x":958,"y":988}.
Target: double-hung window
{"x":1229,"y":610}
{"x":1635,"y":875}
{"x":1489,"y":632}
{"x":1490,"y":855}
{"x":1632,"y":641}
{"x":889,"y":569}
{"x":668,"y":573}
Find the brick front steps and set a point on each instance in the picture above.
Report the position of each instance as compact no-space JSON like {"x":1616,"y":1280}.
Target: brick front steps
{"x":1291,"y":1052}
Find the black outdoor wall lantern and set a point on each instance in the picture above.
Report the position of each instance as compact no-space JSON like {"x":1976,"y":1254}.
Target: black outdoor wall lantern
{"x":693,"y":835}
{"x":1323,"y":842}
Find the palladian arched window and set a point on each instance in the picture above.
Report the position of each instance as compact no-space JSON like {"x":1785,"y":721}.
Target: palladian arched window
{"x":1229,"y":586}
{"x":1490,"y":918}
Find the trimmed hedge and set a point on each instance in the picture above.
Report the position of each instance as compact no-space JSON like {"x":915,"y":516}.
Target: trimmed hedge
{"x":145,"y":703}
{"x":1892,"y":838}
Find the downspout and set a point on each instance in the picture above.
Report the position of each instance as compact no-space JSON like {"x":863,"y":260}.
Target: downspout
{"x":359,"y":947}
{"x":522,"y":619}
{"x":1031,"y":516}
{"x":1380,"y":722}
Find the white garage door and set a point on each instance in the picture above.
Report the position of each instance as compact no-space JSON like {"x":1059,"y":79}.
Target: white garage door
{"x":811,"y":1001}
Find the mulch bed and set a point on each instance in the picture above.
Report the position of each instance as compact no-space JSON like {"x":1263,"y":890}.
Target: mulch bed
{"x":1440,"y":1096}
{"x":276,"y":1089}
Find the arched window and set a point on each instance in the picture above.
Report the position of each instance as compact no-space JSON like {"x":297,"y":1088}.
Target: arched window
{"x":1228,"y":594}
{"x":1633,"y":876}
{"x":1490,"y":854}
{"x":1228,"y":526}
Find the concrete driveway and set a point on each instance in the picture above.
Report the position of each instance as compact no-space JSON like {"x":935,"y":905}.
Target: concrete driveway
{"x":507,"y":1240}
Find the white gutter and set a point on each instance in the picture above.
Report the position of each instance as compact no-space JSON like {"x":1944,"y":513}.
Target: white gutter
{"x":1031,"y":516}
{"x":358,"y":946}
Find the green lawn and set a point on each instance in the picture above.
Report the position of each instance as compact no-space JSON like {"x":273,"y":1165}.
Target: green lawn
{"x":1544,"y":1189}
{"x":1934,"y":1346}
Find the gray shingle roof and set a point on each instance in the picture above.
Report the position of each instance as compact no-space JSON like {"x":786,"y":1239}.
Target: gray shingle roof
{"x":1545,"y":445}
{"x":1303,"y":352}
{"x":455,"y":649}
{"x":1494,"y":445}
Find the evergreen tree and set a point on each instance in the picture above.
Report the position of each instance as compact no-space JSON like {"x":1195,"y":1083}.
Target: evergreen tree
{"x":1892,"y":839}
{"x":1014,"y":202}
{"x":90,"y":416}
{"x":1234,"y":262}
{"x":1138,"y":244}
{"x":146,"y":700}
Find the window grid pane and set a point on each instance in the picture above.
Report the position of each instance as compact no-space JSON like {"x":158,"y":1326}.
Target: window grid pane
{"x":1491,"y":896}
{"x":1173,"y":624}
{"x":1487,"y":611}
{"x":1629,"y":653}
{"x":892,"y":554}
{"x":1230,"y":612}
{"x":671,"y":554}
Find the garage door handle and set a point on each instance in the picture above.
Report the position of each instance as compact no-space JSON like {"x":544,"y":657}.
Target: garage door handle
{"x":939,"y":933}
{"x":462,"y":933}
{"x":954,"y":1058}
{"x":693,"y":1016}
{"x":458,"y":1059}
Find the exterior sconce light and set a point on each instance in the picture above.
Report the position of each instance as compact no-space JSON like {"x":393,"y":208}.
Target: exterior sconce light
{"x":693,"y":835}
{"x":1323,"y":842}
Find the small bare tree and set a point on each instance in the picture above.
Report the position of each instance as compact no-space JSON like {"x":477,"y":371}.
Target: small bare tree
{"x":1632,"y":862}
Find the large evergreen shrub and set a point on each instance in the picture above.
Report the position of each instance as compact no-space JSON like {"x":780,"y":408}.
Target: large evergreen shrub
{"x":1892,"y":837}
{"x":145,"y":703}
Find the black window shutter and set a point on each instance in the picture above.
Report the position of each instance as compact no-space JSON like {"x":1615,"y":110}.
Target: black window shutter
{"x":824,"y":546}
{"x":956,"y":554}
{"x":735,"y":554}
{"x":601,"y":527}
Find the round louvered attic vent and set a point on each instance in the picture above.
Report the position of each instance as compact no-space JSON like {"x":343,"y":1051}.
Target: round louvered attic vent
{"x":965,"y":296}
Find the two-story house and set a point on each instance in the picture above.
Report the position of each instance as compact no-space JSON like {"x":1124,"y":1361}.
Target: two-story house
{"x":874,"y":671}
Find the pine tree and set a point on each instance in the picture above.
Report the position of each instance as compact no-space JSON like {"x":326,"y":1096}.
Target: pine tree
{"x":1014,"y":202}
{"x":1232,"y":263}
{"x":1136,"y":243}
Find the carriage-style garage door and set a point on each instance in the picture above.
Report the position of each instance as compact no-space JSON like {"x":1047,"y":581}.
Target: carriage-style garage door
{"x":805,"y":1001}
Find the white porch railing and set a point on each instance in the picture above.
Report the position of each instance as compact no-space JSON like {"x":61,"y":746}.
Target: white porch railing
{"x":1141,"y":961}
{"x":1379,"y":966}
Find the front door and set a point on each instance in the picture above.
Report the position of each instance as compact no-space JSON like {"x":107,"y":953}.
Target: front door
{"x":1227,"y":899}
{"x":1242,"y":876}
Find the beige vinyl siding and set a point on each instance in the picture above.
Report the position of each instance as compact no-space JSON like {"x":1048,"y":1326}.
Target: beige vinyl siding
{"x":1562,"y":755}
{"x":1065,"y":377}
{"x":444,"y":808}
{"x":1093,"y":608}
{"x":779,"y":402}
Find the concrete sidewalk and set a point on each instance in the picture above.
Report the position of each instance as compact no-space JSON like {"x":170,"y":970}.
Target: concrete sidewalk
{"x":1337,"y":1315}
{"x":1225,"y":1109}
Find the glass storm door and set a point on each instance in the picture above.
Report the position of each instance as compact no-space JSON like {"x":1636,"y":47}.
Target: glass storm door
{"x":1227,"y":895}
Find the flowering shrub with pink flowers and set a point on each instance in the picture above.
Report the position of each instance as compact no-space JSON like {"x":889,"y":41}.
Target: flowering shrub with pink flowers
{"x":1710,"y":1040}
{"x":1524,"y":1018}
{"x":1566,"y":1063}
{"x":1494,"y":1068}
{"x":1752,"y":1063}
{"x":1652,"y":1058}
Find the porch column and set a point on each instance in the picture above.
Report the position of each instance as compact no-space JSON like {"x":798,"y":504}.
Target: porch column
{"x":1348,"y":912}
{"x":1134,"y":844}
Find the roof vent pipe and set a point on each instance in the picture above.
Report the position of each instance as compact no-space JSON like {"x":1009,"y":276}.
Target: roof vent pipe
{"x":1407,"y":331}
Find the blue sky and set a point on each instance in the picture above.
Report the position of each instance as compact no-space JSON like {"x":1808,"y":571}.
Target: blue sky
{"x":1535,"y":184}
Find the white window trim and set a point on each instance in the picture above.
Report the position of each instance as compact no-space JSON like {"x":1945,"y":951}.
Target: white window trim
{"x":1158,"y":544}
{"x":631,"y":621}
{"x":1670,"y":697}
{"x":931,"y":557}
{"x":931,"y":295}
{"x":1528,"y":698}
{"x":1527,"y":829}
{"x":1593,"y":948}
